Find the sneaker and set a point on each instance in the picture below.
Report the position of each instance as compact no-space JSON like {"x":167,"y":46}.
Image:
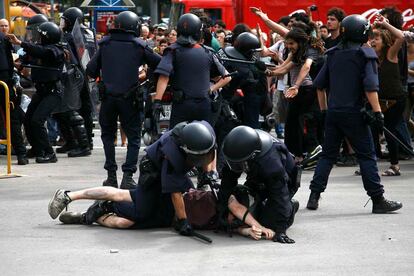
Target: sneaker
{"x":59,"y":201}
{"x":313,"y":202}
{"x":97,"y":210}
{"x":72,"y":218}
{"x":383,"y":206}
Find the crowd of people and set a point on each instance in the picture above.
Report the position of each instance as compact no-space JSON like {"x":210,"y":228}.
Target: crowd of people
{"x":336,"y":84}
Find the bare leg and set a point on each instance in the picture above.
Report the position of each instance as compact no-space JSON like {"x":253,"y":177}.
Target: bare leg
{"x":103,"y":193}
{"x":113,"y":221}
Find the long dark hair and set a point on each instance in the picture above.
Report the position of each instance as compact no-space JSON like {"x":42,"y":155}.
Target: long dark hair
{"x":302,"y":39}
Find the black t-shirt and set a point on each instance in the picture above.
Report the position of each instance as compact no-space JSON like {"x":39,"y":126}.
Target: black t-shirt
{"x":329,"y":42}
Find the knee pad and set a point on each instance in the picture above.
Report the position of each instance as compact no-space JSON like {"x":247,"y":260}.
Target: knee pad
{"x":75,"y":119}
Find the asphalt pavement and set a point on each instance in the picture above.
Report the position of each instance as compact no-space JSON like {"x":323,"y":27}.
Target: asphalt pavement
{"x":341,"y":238}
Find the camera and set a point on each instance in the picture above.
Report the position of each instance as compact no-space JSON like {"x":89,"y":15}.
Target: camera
{"x":313,"y":8}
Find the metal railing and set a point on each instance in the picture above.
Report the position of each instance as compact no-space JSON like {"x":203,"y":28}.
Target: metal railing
{"x":7,"y":141}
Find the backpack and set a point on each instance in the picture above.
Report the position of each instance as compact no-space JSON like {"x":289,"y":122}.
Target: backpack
{"x":201,"y":209}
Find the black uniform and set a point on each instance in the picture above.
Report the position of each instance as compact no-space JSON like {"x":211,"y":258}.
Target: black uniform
{"x":47,"y":97}
{"x":119,"y":57}
{"x":252,"y":82}
{"x":348,"y":74}
{"x":190,"y":69}
{"x":78,"y":120}
{"x":270,"y":175}
{"x":16,"y":113}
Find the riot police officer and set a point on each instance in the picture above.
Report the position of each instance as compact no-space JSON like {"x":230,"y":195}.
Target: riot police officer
{"x":16,"y":113}
{"x":190,"y":66}
{"x":158,"y":197}
{"x":271,"y":174}
{"x":117,"y":63}
{"x":350,"y":73}
{"x":47,"y":59}
{"x":249,"y":78}
{"x":75,"y":120}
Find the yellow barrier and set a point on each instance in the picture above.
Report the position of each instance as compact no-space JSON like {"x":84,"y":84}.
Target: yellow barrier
{"x":7,"y":141}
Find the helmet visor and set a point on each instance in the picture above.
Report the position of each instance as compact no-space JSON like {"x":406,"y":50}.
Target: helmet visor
{"x":32,"y":35}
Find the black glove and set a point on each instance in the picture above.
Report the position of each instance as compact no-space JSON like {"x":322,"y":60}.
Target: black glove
{"x":157,"y":109}
{"x":183,"y":227}
{"x":379,"y":120}
{"x":260,"y":65}
{"x":282,"y":238}
{"x":374,"y":119}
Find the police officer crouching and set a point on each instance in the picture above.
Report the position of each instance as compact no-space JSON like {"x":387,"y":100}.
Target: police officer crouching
{"x":350,"y":74}
{"x":158,"y":197}
{"x":119,"y":57}
{"x":189,"y":66}
{"x":47,"y":59}
{"x":271,"y":174}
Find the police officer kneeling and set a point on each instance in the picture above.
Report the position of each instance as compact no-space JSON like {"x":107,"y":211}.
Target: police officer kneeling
{"x":350,"y":74}
{"x":119,"y":57}
{"x":271,"y":174}
{"x":158,"y":197}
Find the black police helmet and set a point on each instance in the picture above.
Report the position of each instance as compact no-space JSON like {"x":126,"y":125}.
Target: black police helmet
{"x":49,"y":33}
{"x":197,"y":141}
{"x":246,"y":43}
{"x":189,"y":29}
{"x":241,"y":144}
{"x":128,"y":22}
{"x":266,"y":141}
{"x":36,"y":20}
{"x":71,"y":15}
{"x":355,"y":28}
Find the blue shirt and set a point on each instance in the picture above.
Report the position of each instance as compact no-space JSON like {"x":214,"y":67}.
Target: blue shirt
{"x":347,"y":74}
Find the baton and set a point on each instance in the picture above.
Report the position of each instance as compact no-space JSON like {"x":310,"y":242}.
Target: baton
{"x":40,"y":67}
{"x":245,"y":61}
{"x":201,"y":237}
{"x":402,"y":144}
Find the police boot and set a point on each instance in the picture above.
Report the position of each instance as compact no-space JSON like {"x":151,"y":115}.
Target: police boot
{"x":79,"y":131}
{"x":22,"y":160}
{"x":313,"y":202}
{"x":72,"y":218}
{"x":127,"y":182}
{"x":79,"y":152}
{"x":97,"y":210}
{"x":68,"y":146}
{"x":295,"y":208}
{"x":47,"y":158}
{"x":381,"y":205}
{"x":111,"y":180}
